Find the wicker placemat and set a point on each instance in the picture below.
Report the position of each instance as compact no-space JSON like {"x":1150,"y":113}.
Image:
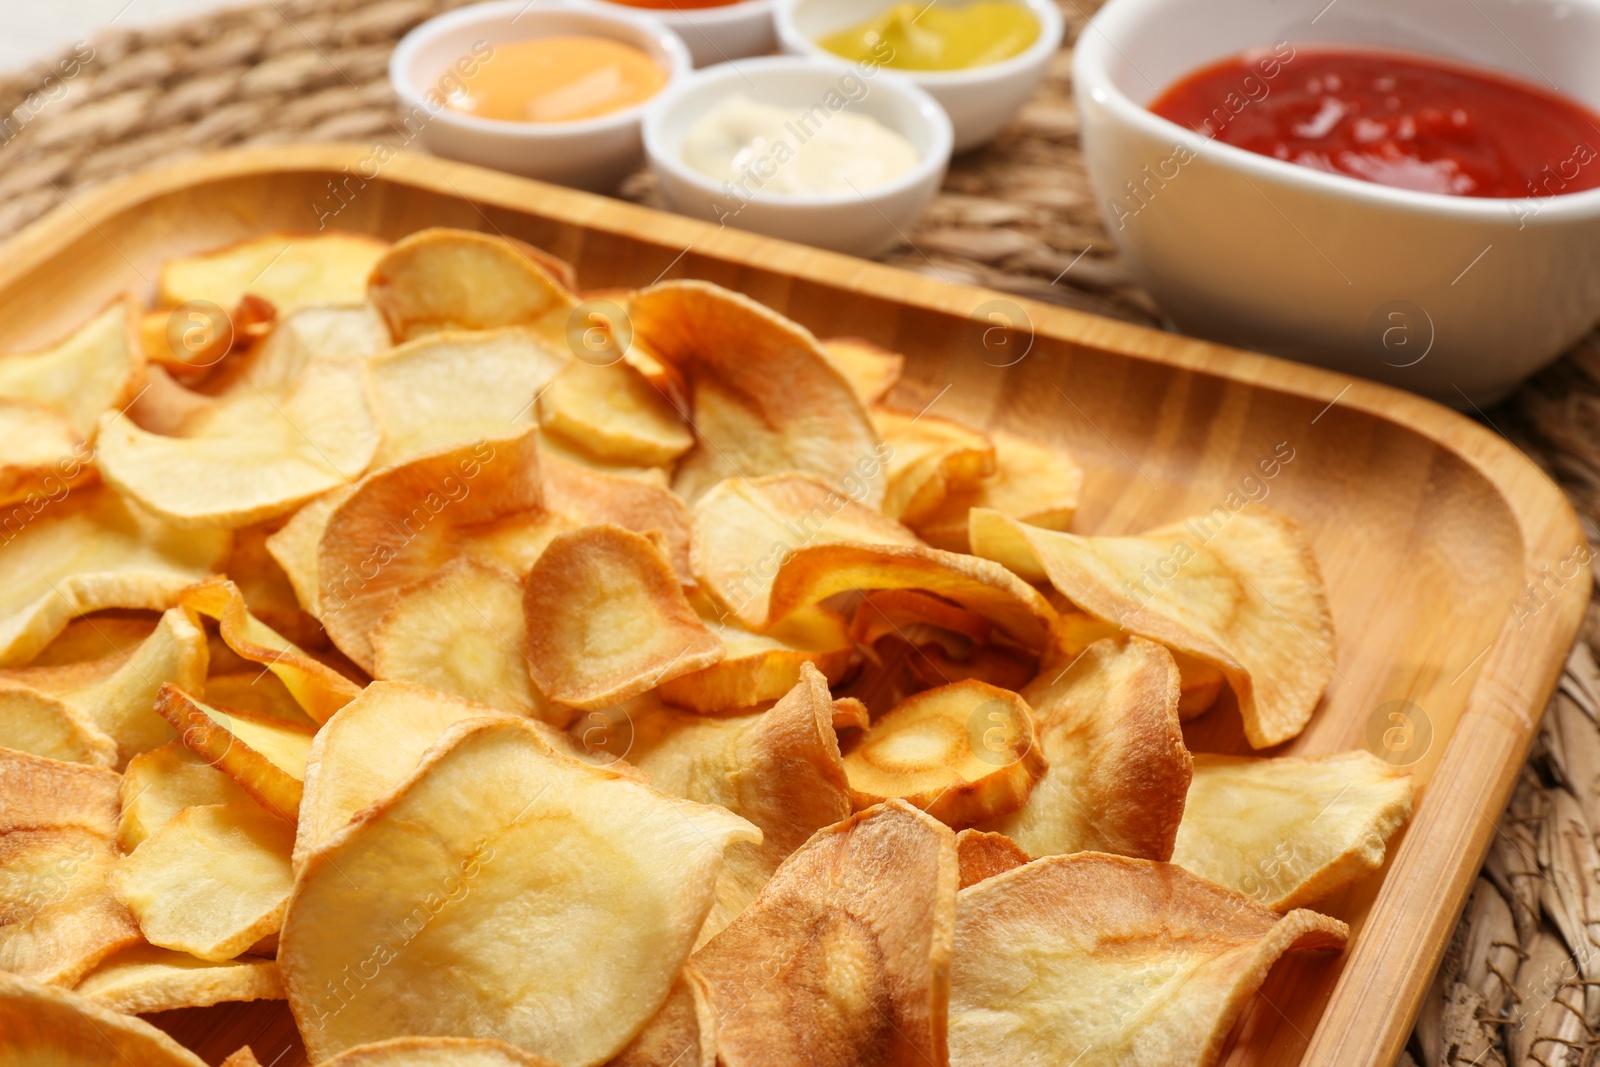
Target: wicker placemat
{"x":1521,"y":983}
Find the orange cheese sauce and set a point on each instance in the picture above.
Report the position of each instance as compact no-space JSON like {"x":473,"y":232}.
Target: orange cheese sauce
{"x":558,"y":79}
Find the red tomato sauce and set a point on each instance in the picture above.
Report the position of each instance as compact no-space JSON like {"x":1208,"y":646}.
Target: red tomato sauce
{"x":1407,"y":121}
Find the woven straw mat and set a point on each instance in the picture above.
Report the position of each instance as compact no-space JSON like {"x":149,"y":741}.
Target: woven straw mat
{"x":1521,"y":981}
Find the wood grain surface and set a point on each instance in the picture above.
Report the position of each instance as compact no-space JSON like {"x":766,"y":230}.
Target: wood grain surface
{"x":1428,"y":527}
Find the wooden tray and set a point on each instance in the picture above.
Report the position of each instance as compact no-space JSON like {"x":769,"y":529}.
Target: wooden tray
{"x":1427,"y":525}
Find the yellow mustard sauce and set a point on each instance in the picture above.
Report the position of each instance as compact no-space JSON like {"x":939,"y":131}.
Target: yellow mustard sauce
{"x":936,"y":37}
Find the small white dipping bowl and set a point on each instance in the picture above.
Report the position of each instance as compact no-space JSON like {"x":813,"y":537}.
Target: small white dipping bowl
{"x":592,"y":153}
{"x":980,"y":100}
{"x":714,"y":34}
{"x":1458,"y":298}
{"x":863,"y":224}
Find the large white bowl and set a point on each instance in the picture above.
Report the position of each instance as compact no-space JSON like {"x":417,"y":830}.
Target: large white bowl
{"x":980,"y":100}
{"x":592,"y":153}
{"x":1455,"y":297}
{"x":715,"y":34}
{"x":863,"y":224}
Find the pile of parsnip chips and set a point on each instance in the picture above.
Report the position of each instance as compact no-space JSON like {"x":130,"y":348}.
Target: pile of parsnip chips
{"x":502,"y":676}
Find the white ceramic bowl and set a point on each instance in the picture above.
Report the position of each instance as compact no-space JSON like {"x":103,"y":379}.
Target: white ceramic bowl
{"x":980,"y":100}
{"x":714,"y":34}
{"x":1458,"y":298}
{"x":592,"y":153}
{"x":864,"y":224}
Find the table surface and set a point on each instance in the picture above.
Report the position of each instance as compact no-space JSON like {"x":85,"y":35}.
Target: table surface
{"x":32,"y":31}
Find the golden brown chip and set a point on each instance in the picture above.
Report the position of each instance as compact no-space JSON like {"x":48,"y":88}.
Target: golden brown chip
{"x":850,"y":714}
{"x":608,"y":621}
{"x":162,"y":782}
{"x":766,"y":398}
{"x":268,"y":593}
{"x":211,"y":881}
{"x":97,"y":368}
{"x":290,"y":270}
{"x":46,"y":1026}
{"x":983,"y":854}
{"x":146,"y":978}
{"x":899,"y":612}
{"x":744,"y":529}
{"x":1288,"y":831}
{"x":870,"y":370}
{"x":254,"y":690}
{"x":1103,"y":960}
{"x":763,"y":667}
{"x":58,"y":918}
{"x":442,"y":279}
{"x":929,"y":459}
{"x":87,"y":553}
{"x":1119,"y":771}
{"x":1032,"y":483}
{"x":294,"y":547}
{"x":438,"y":1052}
{"x":587,"y":497}
{"x":682,"y":1034}
{"x":1241,"y":593}
{"x":614,"y":413}
{"x":844,"y":957}
{"x":43,"y":725}
{"x":41,"y":456}
{"x":475,"y":894}
{"x":964,"y":753}
{"x":266,"y":755}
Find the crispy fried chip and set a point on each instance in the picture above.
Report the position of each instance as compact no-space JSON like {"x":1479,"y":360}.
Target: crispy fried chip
{"x":964,"y":753}
{"x":587,"y":497}
{"x":42,"y":1026}
{"x":1032,"y":483}
{"x":614,"y":413}
{"x":929,"y":459}
{"x":844,"y":957}
{"x":349,"y":332}
{"x":254,"y":690}
{"x":98,"y":367}
{"x":255,"y":458}
{"x":266,"y":755}
{"x":211,"y":881}
{"x":317,"y":688}
{"x":983,"y":854}
{"x":1103,"y":960}
{"x":291,"y":270}
{"x":766,"y":397}
{"x":744,"y":528}
{"x":41,"y":456}
{"x":484,"y":883}
{"x":438,"y":1052}
{"x":162,"y":782}
{"x":453,"y":388}
{"x":442,"y":279}
{"x":1287,"y":832}
{"x":763,"y":667}
{"x":779,"y":768}
{"x":268,"y":593}
{"x":90,"y":552}
{"x":682,"y":1034}
{"x":850,"y":714}
{"x":57,"y":915}
{"x":1241,"y":593}
{"x":43,"y":725}
{"x":1119,"y":771}
{"x":147,"y":978}
{"x":608,"y":621}
{"x":295,"y":544}
{"x":870,"y":370}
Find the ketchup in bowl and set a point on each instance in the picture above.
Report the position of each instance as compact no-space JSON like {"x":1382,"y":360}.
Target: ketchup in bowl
{"x":1402,"y":120}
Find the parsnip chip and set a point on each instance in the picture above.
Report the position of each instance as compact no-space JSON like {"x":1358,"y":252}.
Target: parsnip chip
{"x":964,"y":753}
{"x":551,"y":444}
{"x":254,"y":459}
{"x":779,"y":768}
{"x":1032,"y":483}
{"x":682,"y":1034}
{"x":814,"y":573}
{"x":43,"y":725}
{"x":58,"y":918}
{"x":211,"y":881}
{"x":453,"y":388}
{"x":268,"y":593}
{"x":438,"y":1052}
{"x":871,"y":371}
{"x":41,"y":456}
{"x":844,"y":957}
{"x":94,"y":369}
{"x":254,"y":690}
{"x":317,"y":688}
{"x":403,"y":523}
{"x":930,"y":458}
{"x":897,"y":612}
{"x":90,"y":552}
{"x":266,"y":755}
{"x":483,"y":884}
{"x":290,"y":270}
{"x":1241,"y":593}
{"x":1103,"y":960}
{"x":850,"y":714}
{"x":48,"y":1027}
{"x":1119,"y":771}
{"x":442,"y":279}
{"x":763,"y":667}
{"x":352,"y":332}
{"x":295,"y":545}
{"x":147,"y":978}
{"x":608,"y":621}
{"x":613,"y":412}
{"x":983,"y":854}
{"x":587,"y":497}
{"x":766,"y":397}
{"x":744,"y":528}
{"x":162,"y":782}
{"x":1288,"y":831}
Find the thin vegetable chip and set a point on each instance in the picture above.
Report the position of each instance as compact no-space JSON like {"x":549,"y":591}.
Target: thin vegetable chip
{"x":146,"y":978}
{"x":46,"y":1026}
{"x":290,"y":270}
